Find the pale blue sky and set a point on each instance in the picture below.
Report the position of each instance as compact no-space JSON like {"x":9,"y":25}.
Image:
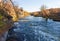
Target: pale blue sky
{"x":34,"y":5}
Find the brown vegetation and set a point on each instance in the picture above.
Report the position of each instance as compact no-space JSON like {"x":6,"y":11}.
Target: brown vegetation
{"x":53,"y":13}
{"x":9,"y":14}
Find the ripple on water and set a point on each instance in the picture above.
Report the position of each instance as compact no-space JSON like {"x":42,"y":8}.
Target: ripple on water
{"x":38,"y":30}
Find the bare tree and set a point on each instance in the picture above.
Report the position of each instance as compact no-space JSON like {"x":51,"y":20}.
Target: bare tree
{"x":43,"y":7}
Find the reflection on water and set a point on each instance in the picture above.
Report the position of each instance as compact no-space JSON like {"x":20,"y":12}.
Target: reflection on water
{"x":35,"y":29}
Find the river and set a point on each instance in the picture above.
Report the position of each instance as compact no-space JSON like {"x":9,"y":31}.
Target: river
{"x":35,"y":29}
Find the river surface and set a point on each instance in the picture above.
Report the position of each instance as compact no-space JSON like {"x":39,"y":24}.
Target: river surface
{"x":36,"y":29}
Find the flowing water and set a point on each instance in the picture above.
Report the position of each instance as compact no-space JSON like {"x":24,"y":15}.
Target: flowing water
{"x":36,"y":29}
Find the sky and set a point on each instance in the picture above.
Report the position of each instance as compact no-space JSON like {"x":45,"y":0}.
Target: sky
{"x":34,"y":5}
